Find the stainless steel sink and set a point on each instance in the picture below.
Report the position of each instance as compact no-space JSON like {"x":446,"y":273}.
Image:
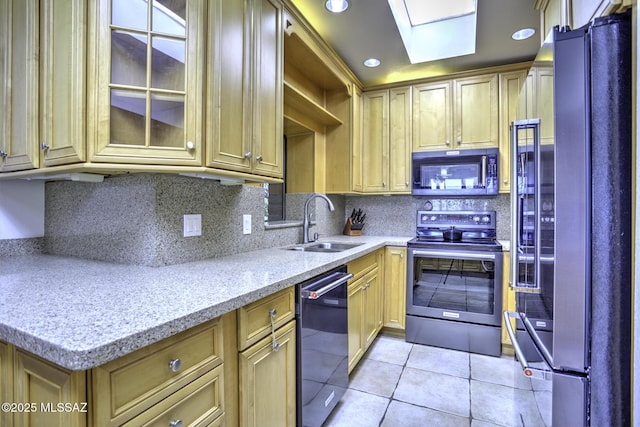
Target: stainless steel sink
{"x":325,"y":247}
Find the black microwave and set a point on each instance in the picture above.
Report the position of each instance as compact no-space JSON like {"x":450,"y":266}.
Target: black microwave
{"x":455,"y":173}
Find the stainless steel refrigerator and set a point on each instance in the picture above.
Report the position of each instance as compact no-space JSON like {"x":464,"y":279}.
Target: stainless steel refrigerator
{"x":571,"y":243}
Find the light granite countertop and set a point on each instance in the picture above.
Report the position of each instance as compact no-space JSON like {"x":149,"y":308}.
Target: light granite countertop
{"x":80,"y":314}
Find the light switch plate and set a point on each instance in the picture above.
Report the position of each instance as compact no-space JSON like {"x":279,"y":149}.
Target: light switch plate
{"x":192,"y":225}
{"x":246,"y":224}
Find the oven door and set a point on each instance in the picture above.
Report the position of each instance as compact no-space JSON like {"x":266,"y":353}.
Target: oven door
{"x":460,"y":285}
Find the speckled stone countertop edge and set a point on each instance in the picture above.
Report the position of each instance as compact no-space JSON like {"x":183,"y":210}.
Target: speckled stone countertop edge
{"x":73,"y":353}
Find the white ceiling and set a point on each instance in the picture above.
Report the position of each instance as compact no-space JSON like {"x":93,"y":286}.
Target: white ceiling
{"x":367,"y":29}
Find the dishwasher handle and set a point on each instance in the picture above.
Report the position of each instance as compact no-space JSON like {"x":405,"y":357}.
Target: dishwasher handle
{"x":307,"y":293}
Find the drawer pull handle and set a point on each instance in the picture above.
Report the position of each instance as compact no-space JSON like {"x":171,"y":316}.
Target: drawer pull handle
{"x":175,"y":423}
{"x":175,"y":366}
{"x":272,"y":316}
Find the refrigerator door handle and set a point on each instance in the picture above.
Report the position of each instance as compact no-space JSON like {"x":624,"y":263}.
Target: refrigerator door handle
{"x":543,"y":373}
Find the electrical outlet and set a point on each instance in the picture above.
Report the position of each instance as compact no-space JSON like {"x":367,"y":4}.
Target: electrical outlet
{"x":246,"y":224}
{"x":192,"y":225}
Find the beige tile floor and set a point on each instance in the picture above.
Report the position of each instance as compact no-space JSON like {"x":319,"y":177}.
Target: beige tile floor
{"x":400,"y":384}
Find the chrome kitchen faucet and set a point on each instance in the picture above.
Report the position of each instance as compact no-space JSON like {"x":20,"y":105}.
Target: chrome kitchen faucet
{"x":306,"y":221}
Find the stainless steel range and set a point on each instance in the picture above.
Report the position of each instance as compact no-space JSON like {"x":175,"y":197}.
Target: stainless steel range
{"x":454,"y":281}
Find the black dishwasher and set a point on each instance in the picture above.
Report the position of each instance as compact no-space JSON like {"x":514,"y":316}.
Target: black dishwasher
{"x":323,"y":345}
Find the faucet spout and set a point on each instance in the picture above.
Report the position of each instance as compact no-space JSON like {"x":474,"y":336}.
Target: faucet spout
{"x":306,"y":221}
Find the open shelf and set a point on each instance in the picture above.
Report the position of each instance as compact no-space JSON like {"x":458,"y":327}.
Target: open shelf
{"x":297,"y":103}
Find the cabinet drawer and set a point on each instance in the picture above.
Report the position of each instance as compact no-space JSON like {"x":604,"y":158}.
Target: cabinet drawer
{"x":359,"y":267}
{"x":131,"y":384}
{"x":254,"y":320}
{"x":198,"y":404}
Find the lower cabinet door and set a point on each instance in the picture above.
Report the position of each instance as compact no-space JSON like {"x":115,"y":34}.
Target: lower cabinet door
{"x":355,"y":304}
{"x":268,"y":381}
{"x":47,"y":386}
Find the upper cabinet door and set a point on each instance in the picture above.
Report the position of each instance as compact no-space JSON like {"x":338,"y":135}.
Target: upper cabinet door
{"x":267,"y":89}
{"x":19,"y":116}
{"x":432,"y":116}
{"x":400,"y":139}
{"x":63,"y":81}
{"x":476,"y":112}
{"x":244,"y":98}
{"x":228,"y":104}
{"x":375,"y":134}
{"x":147,"y":97}
{"x":511,"y":105}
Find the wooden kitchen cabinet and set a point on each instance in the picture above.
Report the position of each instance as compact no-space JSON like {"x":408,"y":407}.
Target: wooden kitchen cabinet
{"x":375,"y":132}
{"x":180,"y":378}
{"x":475,"y":114}
{"x":322,"y":105}
{"x":146,"y":101}
{"x":41,"y":383}
{"x":511,"y":104}
{"x":143,"y":385}
{"x":6,"y":382}
{"x":244,"y":95}
{"x":267,"y":375}
{"x":267,"y":379}
{"x":432,"y":123}
{"x":386,"y":155}
{"x":395,"y":289}
{"x":456,"y":114}
{"x":43,"y":91}
{"x":364,"y":303}
{"x":508,"y":302}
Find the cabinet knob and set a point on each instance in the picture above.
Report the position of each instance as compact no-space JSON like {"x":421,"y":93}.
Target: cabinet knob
{"x":259,"y":159}
{"x":3,"y":154}
{"x":447,"y":142}
{"x":175,"y":365}
{"x":459,"y":140}
{"x":406,"y":183}
{"x":247,"y":155}
{"x":175,"y":423}
{"x":44,"y":146}
{"x":505,"y":181}
{"x":190,"y":145}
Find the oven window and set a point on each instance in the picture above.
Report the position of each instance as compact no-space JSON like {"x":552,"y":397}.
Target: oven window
{"x":454,"y":284}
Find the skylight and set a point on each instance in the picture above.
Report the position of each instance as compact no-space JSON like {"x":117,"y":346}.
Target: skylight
{"x":436,"y":29}
{"x":424,"y":11}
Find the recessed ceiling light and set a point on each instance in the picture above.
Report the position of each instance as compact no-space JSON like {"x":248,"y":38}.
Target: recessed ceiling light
{"x":372,"y":62}
{"x":523,"y":34}
{"x":336,"y":6}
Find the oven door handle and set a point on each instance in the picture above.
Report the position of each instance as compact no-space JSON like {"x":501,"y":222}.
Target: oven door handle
{"x":455,"y":254}
{"x":527,"y":369}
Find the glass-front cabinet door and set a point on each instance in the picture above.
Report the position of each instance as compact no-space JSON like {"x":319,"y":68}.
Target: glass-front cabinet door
{"x":148,"y":98}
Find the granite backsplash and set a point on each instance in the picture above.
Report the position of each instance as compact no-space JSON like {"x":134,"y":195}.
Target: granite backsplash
{"x":138,"y":219}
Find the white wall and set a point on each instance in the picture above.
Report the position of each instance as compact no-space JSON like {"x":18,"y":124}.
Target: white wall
{"x":21,"y":209}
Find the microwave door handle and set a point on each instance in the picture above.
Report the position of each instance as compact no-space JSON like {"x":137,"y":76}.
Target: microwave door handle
{"x":484,"y":171}
{"x":528,"y":370}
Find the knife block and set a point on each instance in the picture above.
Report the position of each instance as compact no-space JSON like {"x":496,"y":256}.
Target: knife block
{"x":349,"y":231}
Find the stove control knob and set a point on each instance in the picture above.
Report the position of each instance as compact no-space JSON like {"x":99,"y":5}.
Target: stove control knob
{"x":476,"y":218}
{"x":433,"y":217}
{"x":486,"y":219}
